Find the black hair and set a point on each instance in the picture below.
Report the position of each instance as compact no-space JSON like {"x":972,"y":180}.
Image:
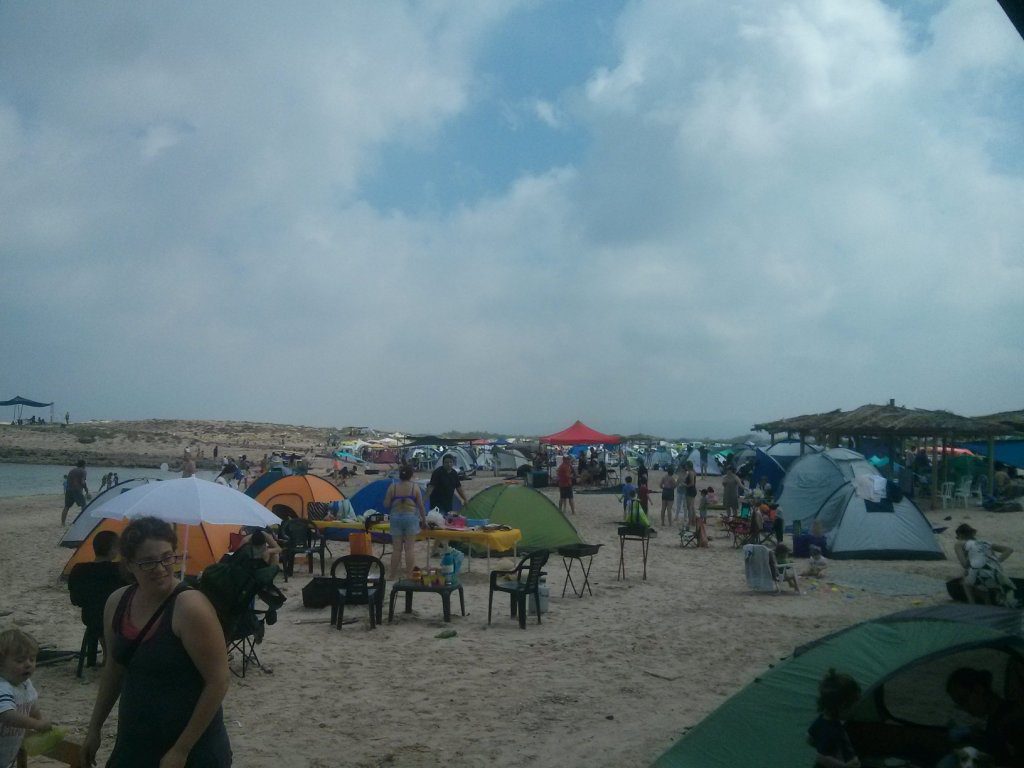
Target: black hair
{"x":964,"y":531}
{"x":258,"y":539}
{"x":104,"y":543}
{"x":405,"y":472}
{"x":629,"y":478}
{"x":836,"y":692}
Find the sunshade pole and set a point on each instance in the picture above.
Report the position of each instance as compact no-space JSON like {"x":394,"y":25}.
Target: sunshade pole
{"x":184,"y":556}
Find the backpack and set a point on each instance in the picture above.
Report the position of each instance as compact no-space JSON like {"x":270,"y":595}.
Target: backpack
{"x":232,"y":584}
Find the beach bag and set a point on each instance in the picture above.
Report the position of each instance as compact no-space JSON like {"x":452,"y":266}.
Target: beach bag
{"x":317,"y":593}
{"x":360,"y":543}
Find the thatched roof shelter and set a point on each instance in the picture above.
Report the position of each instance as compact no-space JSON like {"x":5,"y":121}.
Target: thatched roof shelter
{"x":886,"y":421}
{"x":1008,"y":421}
{"x":894,"y":423}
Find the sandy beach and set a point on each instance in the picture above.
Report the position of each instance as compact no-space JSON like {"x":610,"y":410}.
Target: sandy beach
{"x":607,"y":680}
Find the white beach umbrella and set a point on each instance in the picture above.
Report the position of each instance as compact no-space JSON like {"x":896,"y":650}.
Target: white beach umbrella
{"x":188,"y":501}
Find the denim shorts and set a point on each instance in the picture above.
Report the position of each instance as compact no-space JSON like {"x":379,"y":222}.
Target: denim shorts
{"x":405,"y":523}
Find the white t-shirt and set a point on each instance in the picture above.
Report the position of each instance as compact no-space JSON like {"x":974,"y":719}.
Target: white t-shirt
{"x":20,"y":698}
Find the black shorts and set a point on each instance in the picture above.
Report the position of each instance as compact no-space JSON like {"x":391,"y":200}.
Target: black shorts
{"x":74,"y":497}
{"x":668,"y":494}
{"x":565,"y":492}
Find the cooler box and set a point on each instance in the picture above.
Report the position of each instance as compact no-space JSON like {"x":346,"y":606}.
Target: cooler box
{"x":539,"y":479}
{"x":802,"y":544}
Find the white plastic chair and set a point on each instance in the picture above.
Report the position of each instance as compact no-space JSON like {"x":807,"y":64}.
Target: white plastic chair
{"x":963,"y":491}
{"x":946,"y":494}
{"x":979,"y":489}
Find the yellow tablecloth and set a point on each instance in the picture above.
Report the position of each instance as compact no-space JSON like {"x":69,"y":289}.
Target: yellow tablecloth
{"x":499,"y":541}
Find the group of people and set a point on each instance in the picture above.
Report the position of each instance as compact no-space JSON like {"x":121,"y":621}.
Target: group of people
{"x":998,"y":734}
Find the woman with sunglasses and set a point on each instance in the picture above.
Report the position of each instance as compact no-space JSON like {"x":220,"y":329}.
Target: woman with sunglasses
{"x":172,"y":680}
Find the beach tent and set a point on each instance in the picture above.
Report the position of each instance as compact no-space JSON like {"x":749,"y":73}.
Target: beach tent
{"x":85,"y":523}
{"x":901,"y":663}
{"x":845,"y":493}
{"x":714,"y":468}
{"x":371,"y":496}
{"x":787,"y":451}
{"x":858,"y":527}
{"x":814,"y":477}
{"x":207,"y":544}
{"x":661,"y":458}
{"x":20,"y":403}
{"x":465,"y":463}
{"x":767,"y":467}
{"x":533,"y":513}
{"x":287,"y":495}
{"x":580,"y":434}
{"x":502,"y":460}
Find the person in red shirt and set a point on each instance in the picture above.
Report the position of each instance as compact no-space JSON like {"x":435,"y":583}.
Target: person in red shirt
{"x":643,"y":493}
{"x":566,"y":476}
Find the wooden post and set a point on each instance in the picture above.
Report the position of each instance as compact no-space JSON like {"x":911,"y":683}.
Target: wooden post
{"x":935,"y":472}
{"x":992,"y":466}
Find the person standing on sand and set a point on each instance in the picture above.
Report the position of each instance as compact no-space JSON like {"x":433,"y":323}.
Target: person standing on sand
{"x":668,"y":495}
{"x":566,"y":477}
{"x":444,"y":484}
{"x":731,"y":491}
{"x":77,"y":490}
{"x":67,"y":418}
{"x":188,"y":464}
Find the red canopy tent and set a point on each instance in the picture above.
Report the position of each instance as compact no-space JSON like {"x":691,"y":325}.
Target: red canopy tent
{"x":580,"y":434}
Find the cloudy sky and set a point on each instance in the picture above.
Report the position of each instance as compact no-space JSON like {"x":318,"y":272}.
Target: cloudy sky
{"x":674,"y":217}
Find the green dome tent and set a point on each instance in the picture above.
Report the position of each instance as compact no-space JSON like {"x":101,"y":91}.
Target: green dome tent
{"x":901,"y":663}
{"x":533,"y":513}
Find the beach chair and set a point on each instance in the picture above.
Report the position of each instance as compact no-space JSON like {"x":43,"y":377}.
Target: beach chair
{"x":527,"y":582}
{"x":232,"y":586}
{"x":963,"y":491}
{"x":946,"y":494}
{"x":299,"y":537}
{"x":358,"y":586}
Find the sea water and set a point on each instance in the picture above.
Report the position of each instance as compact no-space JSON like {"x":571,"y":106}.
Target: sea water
{"x":36,"y":479}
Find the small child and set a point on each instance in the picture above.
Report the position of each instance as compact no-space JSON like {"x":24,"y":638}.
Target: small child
{"x":837,"y":694}
{"x":703,"y":505}
{"x":628,"y":494}
{"x":712,"y":496}
{"x":785,"y":566}
{"x":644,"y":495}
{"x":19,"y":708}
{"x":817,"y":564}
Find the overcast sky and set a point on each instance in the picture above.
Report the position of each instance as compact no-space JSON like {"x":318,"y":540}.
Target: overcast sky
{"x":664,"y":216}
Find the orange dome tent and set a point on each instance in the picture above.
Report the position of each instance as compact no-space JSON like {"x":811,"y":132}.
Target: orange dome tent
{"x":290,"y":495}
{"x":207,"y":544}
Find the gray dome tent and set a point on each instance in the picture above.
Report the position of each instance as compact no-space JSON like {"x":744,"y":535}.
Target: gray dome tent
{"x":844,"y":492}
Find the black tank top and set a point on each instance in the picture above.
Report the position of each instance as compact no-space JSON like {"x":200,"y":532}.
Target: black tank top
{"x":159,"y":691}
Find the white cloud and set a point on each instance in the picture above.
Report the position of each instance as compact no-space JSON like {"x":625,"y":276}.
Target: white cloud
{"x":780,"y":209}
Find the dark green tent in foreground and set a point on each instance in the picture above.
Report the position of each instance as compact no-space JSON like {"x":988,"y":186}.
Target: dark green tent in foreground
{"x":901,"y":663}
{"x":533,"y":513}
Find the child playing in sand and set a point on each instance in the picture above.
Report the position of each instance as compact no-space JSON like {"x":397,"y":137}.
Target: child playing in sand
{"x":837,"y":693}
{"x":817,"y":563}
{"x":19,"y":708}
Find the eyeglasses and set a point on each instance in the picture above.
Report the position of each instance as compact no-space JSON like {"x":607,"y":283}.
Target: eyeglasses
{"x":166,"y":561}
